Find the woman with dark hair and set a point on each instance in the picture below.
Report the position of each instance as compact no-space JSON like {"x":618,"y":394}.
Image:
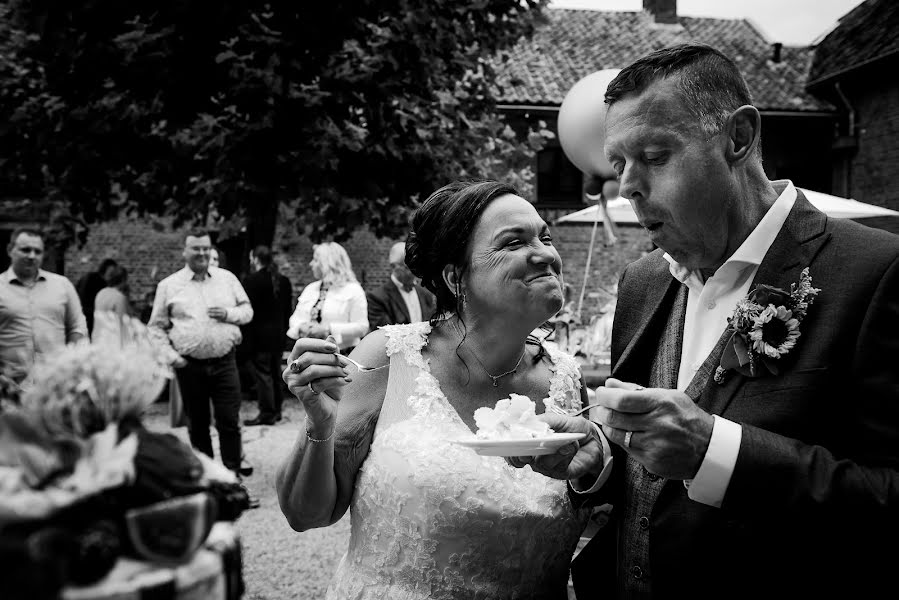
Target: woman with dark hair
{"x":114,"y":298}
{"x":430,"y":518}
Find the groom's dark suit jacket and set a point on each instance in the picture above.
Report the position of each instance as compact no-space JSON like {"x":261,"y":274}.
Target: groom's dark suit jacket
{"x":816,"y":483}
{"x":387,"y":307}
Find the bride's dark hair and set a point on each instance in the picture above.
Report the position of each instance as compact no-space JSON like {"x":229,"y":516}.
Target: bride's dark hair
{"x":441,"y":231}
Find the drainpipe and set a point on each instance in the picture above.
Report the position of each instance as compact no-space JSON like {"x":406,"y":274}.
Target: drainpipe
{"x":846,"y":166}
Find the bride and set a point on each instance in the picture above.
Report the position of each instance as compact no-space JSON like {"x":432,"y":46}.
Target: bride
{"x":429,"y":518}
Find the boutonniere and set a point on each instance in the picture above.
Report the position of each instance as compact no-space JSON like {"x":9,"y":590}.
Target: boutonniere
{"x":765,"y":328}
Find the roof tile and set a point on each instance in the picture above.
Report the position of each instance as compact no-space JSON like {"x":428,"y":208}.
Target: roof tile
{"x":575,"y":43}
{"x":865,"y":33}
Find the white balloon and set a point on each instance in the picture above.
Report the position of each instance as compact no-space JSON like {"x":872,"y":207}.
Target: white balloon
{"x":582,"y":127}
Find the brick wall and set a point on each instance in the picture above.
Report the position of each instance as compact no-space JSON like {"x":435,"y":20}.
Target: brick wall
{"x":151,"y":250}
{"x":875,"y":166}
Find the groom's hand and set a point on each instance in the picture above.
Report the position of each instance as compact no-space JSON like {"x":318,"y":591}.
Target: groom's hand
{"x":571,"y":461}
{"x":669,"y":433}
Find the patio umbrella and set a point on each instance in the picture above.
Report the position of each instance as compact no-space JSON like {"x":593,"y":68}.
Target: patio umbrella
{"x":833,"y":206}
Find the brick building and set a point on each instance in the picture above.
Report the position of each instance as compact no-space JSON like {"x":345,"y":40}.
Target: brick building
{"x":855,"y":67}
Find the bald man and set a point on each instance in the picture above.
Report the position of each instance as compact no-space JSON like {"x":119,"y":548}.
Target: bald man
{"x":400,"y":300}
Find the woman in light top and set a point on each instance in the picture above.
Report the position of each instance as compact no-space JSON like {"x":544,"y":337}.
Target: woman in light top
{"x":334,"y":304}
{"x":113,"y":298}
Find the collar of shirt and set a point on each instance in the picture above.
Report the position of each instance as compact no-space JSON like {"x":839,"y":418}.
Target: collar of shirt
{"x":753,"y":249}
{"x":9,"y":276}
{"x":398,"y":284}
{"x":188,"y":275}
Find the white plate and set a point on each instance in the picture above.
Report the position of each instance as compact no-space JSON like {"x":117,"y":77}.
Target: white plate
{"x":521,"y":447}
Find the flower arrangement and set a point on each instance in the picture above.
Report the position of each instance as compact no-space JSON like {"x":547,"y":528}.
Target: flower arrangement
{"x":766,"y":327}
{"x":83,"y":482}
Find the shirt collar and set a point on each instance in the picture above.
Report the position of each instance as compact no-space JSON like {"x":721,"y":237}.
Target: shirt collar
{"x":753,"y":249}
{"x":188,"y":274}
{"x":9,"y":276}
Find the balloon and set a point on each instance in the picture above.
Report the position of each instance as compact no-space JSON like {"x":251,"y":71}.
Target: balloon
{"x":582,"y":127}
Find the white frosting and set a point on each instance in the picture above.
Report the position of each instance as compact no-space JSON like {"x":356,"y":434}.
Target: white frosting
{"x":512,"y":418}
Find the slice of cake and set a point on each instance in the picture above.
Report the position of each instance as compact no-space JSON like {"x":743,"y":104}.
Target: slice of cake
{"x":512,"y":418}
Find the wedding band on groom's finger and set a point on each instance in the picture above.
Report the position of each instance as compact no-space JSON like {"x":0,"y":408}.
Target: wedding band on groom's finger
{"x":627,"y":439}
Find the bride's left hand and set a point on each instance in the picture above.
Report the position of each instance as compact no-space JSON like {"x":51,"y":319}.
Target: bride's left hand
{"x":571,"y":461}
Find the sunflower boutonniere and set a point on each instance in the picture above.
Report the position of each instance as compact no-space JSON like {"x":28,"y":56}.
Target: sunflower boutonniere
{"x":765,"y":327}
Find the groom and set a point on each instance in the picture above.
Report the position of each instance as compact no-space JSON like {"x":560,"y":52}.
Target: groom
{"x":730,"y":482}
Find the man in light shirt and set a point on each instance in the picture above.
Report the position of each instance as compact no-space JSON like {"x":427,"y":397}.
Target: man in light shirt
{"x":39,"y":311}
{"x":400,"y":300}
{"x":200,"y":309}
{"x":724,"y":483}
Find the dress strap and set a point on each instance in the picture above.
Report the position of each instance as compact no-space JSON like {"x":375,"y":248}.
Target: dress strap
{"x":408,"y":339}
{"x":403,"y":346}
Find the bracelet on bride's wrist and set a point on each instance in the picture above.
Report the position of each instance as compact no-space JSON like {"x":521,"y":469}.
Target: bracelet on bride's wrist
{"x":317,"y":441}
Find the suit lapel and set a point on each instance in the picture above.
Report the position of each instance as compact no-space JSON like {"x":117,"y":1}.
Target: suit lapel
{"x":795,"y":247}
{"x":399,"y":305}
{"x":657,"y":298}
{"x":424,"y":303}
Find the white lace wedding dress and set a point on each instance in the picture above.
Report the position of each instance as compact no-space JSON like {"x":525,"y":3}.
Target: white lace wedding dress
{"x":432,"y":519}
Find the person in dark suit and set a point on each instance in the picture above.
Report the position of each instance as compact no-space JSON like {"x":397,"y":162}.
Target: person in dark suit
{"x":401,"y":300}
{"x":753,"y":457}
{"x":271,"y":295}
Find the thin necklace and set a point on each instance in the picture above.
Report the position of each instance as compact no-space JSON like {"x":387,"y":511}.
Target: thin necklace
{"x":496,"y":378}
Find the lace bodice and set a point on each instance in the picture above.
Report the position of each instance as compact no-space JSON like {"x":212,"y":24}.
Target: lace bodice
{"x":432,"y":519}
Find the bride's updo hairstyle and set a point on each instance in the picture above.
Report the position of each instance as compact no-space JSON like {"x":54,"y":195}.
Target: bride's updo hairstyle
{"x":441,"y":231}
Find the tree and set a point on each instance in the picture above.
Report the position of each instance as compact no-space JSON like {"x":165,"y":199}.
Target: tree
{"x":338,"y":113}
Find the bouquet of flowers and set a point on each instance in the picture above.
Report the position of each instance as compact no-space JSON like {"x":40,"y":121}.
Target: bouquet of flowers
{"x":82,"y":482}
{"x":766,"y":327}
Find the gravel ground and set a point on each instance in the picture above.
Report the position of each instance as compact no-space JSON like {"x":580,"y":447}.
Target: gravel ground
{"x":278,"y":561}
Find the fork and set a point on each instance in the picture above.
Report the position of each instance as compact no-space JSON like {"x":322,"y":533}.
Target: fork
{"x":362,"y":368}
{"x":561,"y":411}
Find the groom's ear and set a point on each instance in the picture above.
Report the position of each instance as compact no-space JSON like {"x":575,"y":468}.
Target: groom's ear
{"x":452,"y":280}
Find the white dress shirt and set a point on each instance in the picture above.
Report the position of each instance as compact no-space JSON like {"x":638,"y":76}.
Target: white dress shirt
{"x":709,"y":304}
{"x":344,"y":311}
{"x":180,"y":312}
{"x":413,"y":304}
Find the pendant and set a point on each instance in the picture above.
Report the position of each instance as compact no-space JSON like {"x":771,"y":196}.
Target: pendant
{"x":495,"y":384}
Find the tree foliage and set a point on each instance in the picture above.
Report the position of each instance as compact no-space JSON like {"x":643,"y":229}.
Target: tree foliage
{"x":338,"y":113}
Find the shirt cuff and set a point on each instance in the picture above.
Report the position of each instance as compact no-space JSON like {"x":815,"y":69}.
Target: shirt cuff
{"x":606,"y":464}
{"x":713,"y":477}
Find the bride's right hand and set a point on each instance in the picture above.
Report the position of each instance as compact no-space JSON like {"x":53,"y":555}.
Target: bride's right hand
{"x":314,"y":361}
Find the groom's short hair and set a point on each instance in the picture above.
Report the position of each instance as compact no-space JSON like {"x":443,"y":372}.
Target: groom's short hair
{"x":710,"y":82}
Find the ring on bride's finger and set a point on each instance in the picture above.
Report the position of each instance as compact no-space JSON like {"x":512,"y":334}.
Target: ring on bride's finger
{"x":312,"y":389}
{"x":627,"y":437}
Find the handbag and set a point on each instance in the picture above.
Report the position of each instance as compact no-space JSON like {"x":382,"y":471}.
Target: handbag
{"x":176,"y":404}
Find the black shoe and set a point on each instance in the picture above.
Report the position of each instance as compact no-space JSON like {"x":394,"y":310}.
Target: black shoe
{"x":252,"y":501}
{"x":259,"y":421}
{"x":278,"y":417}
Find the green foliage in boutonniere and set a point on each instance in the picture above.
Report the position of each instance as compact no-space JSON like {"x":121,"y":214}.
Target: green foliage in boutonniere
{"x":765,"y":327}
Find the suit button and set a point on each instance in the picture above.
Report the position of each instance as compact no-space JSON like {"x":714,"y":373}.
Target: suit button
{"x":644,"y":523}
{"x":637,"y":572}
